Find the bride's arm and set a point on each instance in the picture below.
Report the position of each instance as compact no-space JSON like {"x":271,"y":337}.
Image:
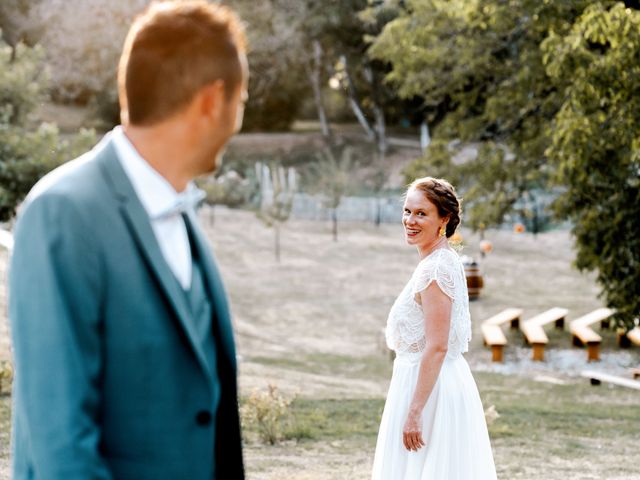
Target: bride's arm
{"x":436,"y":306}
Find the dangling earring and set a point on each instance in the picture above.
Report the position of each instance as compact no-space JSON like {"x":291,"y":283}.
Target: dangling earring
{"x":443,"y":231}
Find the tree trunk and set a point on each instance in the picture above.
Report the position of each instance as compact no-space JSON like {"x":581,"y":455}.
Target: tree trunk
{"x":334,"y":217}
{"x":353,"y":102}
{"x":425,"y":138}
{"x":378,"y":112}
{"x":381,"y":180}
{"x":362,"y":119}
{"x":378,"y":212}
{"x":276,"y":227}
{"x":381,"y":129}
{"x":314,"y":71}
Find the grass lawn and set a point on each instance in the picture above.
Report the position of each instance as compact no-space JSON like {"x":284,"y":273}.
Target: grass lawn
{"x":545,"y":430}
{"x":311,"y":324}
{"x":5,"y":425}
{"x":549,"y":431}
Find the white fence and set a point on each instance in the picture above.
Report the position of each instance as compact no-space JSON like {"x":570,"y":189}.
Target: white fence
{"x":353,"y":209}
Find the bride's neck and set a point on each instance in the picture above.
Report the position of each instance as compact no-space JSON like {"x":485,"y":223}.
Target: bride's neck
{"x":439,"y":243}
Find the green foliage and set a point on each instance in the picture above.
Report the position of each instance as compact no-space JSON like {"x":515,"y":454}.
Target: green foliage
{"x":489,"y":192}
{"x":332,"y":176}
{"x":27,"y":150}
{"x":25,"y":156}
{"x":596,"y":144}
{"x":278,"y":84}
{"x":548,"y":94}
{"x":332,"y":179}
{"x":22,"y":82}
{"x":479,"y":68}
{"x":229,"y":189}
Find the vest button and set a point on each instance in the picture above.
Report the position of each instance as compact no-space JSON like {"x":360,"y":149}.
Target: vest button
{"x":203,"y":418}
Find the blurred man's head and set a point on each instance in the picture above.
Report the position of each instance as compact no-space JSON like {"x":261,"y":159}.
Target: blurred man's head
{"x":175,"y":49}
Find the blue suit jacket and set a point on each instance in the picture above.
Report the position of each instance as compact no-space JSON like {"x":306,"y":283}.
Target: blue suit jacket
{"x":111,"y":381}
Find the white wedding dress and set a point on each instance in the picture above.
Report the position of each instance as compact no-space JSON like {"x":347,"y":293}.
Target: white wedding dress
{"x":453,"y":424}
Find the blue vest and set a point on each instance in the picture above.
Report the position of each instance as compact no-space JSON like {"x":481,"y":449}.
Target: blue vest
{"x":201,"y":314}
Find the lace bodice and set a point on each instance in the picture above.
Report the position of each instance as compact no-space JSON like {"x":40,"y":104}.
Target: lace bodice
{"x":405,"y":325}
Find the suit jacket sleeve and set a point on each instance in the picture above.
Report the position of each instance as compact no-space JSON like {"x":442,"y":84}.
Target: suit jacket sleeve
{"x":55,"y":300}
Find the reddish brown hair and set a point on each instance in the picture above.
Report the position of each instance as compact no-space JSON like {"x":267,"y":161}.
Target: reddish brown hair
{"x":442,"y":194}
{"x":172,"y":50}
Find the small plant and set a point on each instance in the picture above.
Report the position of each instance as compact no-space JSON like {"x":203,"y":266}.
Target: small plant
{"x":277,"y":188}
{"x":267,"y":411}
{"x":491,"y":414}
{"x":229,"y":189}
{"x":6,"y":376}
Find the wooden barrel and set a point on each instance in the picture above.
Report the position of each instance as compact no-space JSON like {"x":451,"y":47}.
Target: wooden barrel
{"x":474,"y":279}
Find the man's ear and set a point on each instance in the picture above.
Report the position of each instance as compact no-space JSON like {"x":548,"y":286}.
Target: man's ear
{"x":212,"y":99}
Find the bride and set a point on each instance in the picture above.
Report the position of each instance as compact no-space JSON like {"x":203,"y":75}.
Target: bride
{"x":433,"y":425}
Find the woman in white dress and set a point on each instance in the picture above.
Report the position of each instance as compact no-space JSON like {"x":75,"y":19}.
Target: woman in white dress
{"x":433,"y":425}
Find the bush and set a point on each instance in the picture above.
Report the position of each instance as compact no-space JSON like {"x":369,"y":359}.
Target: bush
{"x":267,"y":412}
{"x":27,"y":150}
{"x":26,"y":156}
{"x":229,"y":189}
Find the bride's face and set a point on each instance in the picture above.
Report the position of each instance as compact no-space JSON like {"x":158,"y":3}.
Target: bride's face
{"x":421,"y":220}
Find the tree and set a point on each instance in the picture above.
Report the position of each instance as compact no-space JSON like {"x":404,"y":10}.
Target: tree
{"x":479,"y":69}
{"x":595,"y":143}
{"x":277,"y":187}
{"x":332,"y":179}
{"x":278,"y":83}
{"x":27,"y":150}
{"x":83,"y":41}
{"x":228,"y":189}
{"x":547,"y":95}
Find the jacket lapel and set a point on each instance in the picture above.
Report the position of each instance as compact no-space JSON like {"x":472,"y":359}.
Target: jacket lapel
{"x":139,"y":225}
{"x":221,"y":326}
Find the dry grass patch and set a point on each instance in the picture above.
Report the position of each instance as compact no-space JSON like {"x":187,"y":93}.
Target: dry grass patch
{"x":311,"y":325}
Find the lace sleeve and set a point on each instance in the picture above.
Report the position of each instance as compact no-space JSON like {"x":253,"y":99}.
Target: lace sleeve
{"x":438,"y":268}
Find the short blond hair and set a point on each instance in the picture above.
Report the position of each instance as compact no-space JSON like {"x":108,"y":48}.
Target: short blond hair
{"x":172,"y":50}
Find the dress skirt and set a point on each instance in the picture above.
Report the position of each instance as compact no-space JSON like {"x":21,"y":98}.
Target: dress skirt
{"x":457,"y":443}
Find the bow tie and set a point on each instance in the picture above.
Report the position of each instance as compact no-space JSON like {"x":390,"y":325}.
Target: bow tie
{"x":188,"y":201}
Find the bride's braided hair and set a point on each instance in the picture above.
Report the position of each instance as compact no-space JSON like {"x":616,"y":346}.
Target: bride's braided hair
{"x":442,"y":194}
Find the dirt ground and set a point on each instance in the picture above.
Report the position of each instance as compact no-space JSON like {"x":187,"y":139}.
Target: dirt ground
{"x":312,"y":324}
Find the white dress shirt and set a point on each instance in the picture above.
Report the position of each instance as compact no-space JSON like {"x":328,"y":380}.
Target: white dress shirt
{"x":159,"y":199}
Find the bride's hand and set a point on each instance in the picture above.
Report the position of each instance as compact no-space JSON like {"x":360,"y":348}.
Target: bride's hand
{"x":412,"y":432}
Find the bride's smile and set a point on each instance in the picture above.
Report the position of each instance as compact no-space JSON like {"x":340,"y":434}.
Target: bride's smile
{"x":422,"y":222}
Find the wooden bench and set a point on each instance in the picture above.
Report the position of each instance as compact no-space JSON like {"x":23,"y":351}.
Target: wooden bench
{"x":494,"y":338}
{"x":583,"y":334}
{"x":492,"y":331}
{"x":534,"y":333}
{"x":508,"y":315}
{"x":596,"y":378}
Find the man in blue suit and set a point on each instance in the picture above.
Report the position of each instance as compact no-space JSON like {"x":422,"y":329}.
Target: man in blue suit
{"x":124,"y":351}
